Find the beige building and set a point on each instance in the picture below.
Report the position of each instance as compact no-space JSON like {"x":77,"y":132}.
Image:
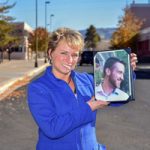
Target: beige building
{"x":22,"y":50}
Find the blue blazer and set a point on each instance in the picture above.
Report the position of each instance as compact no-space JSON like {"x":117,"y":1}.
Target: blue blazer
{"x":65,"y":121}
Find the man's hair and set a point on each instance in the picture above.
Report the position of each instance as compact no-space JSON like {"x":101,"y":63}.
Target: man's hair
{"x":110,"y":62}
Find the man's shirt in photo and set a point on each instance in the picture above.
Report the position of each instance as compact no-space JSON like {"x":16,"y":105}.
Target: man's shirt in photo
{"x":116,"y":95}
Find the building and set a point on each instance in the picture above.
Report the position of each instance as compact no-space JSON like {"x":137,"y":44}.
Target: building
{"x":144,"y":43}
{"x":142,"y":11}
{"x":21,"y":50}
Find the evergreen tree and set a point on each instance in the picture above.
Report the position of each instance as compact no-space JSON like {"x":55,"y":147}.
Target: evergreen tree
{"x":127,"y":33}
{"x":92,"y":38}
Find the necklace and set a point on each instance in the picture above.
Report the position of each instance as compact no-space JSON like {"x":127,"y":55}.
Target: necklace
{"x":69,"y":81}
{"x":72,"y":86}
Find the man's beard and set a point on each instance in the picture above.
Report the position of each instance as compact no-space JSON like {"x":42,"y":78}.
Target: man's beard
{"x":113,"y":83}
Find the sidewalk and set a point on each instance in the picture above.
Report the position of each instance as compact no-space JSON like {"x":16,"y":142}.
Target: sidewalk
{"x":11,"y":72}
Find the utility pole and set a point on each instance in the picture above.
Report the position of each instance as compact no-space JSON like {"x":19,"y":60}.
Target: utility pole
{"x":51,"y":16}
{"x":36,"y":37}
{"x":46,"y":38}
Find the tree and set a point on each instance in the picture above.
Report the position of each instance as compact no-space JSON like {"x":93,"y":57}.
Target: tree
{"x":92,"y":38}
{"x":127,"y":33}
{"x":6,"y":27}
{"x":42,"y":36}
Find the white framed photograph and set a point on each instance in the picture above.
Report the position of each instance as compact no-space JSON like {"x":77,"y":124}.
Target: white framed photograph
{"x":113,"y":77}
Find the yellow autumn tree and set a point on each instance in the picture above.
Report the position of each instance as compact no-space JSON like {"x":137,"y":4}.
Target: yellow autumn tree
{"x":127,"y":32}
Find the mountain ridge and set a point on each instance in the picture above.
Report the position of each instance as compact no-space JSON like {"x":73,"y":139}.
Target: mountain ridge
{"x":104,"y":33}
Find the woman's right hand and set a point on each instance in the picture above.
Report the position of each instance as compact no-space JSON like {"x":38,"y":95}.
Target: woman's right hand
{"x":97,"y":104}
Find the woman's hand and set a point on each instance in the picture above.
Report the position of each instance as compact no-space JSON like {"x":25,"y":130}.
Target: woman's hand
{"x":134,"y":60}
{"x":94,"y":105}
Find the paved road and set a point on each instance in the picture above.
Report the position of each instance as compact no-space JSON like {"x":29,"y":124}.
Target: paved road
{"x":122,"y":128}
{"x":127,"y":127}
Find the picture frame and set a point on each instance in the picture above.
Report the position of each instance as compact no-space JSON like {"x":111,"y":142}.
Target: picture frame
{"x":113,"y":75}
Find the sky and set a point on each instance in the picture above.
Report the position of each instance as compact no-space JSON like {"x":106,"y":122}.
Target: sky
{"x":76,"y":14}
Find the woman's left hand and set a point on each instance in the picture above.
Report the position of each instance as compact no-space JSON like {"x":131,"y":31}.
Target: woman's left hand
{"x":134,"y":60}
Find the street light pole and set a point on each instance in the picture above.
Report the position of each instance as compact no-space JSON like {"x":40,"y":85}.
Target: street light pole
{"x":51,"y":16}
{"x":46,"y":3}
{"x":36,"y":37}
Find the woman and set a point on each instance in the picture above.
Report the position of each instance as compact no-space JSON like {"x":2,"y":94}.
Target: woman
{"x":62,"y":100}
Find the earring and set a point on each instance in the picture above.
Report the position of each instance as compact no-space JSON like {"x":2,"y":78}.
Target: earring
{"x":50,"y":60}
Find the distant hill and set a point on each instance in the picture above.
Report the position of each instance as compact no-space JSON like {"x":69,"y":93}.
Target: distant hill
{"x":105,"y":33}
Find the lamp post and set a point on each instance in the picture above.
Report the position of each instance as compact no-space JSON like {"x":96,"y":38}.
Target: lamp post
{"x":36,"y":37}
{"x":51,"y":16}
{"x":46,"y":3}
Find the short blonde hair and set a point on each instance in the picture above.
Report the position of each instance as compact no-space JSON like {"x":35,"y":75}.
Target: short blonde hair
{"x":73,"y":38}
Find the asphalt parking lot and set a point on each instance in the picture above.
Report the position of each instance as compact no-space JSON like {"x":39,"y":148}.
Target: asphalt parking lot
{"x":119,"y":128}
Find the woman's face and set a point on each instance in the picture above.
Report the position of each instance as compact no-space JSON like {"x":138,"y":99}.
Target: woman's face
{"x":64,"y":59}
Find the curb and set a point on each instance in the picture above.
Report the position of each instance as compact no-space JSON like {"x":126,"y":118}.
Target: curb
{"x":5,"y":89}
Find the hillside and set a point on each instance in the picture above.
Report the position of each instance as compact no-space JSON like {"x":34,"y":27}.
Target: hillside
{"x":105,"y":33}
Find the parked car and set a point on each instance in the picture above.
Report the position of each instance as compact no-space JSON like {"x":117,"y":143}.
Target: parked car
{"x":144,"y":59}
{"x":87,"y":57}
